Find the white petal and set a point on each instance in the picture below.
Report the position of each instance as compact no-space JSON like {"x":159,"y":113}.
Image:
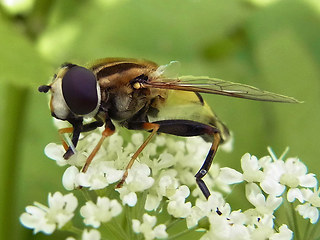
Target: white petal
{"x":295,"y":166}
{"x":238,"y":217}
{"x":150,"y":220}
{"x":61,"y":219}
{"x":230,"y":176}
{"x":179,"y":209}
{"x":315,"y":198}
{"x":271,"y":186}
{"x":239,"y":232}
{"x":136,"y":225}
{"x":160,"y":231}
{"x":307,"y":211}
{"x":308,"y":180}
{"x":273,"y":202}
{"x":137,"y":139}
{"x":71,"y":202}
{"x":37,"y":224}
{"x":115,"y":208}
{"x":55,"y":201}
{"x":130,"y":199}
{"x":181,"y":193}
{"x":253,"y":189}
{"x":160,"y":141}
{"x":306,"y":193}
{"x":295,"y":193}
{"x":152,"y":202}
{"x":83,"y":179}
{"x":92,"y":234}
{"x":227,"y":146}
{"x":55,"y":152}
{"x":284,"y":233}
{"x":70,"y":238}
{"x":113,"y":175}
{"x":249,"y":162}
{"x":255,"y":196}
{"x":195,"y":215}
{"x":69,"y":178}
{"x":265,"y":161}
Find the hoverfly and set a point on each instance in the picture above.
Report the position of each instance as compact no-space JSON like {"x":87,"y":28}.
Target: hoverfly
{"x":137,"y":95}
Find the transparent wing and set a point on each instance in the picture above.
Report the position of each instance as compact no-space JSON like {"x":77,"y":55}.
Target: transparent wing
{"x":217,"y":86}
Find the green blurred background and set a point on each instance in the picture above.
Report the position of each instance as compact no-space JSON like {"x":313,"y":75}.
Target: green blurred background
{"x":274,"y":45}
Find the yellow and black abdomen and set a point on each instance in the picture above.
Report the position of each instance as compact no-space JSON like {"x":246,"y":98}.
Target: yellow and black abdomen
{"x":186,"y":106}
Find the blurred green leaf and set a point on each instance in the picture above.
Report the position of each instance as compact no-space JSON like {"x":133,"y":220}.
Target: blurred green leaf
{"x":147,"y":29}
{"x":283,"y":38}
{"x":21,"y":64}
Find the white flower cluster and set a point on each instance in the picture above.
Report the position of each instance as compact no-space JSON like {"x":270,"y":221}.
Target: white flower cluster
{"x":146,"y":227}
{"x":161,"y":185}
{"x":276,"y":177}
{"x":46,"y":219}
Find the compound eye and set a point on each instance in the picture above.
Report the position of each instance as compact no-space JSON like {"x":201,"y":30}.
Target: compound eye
{"x":79,"y":88}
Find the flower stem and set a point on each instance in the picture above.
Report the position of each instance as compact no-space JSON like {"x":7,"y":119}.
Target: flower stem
{"x":276,"y":225}
{"x":295,"y":222}
{"x":75,"y":230}
{"x":172,"y":222}
{"x":313,"y":230}
{"x":188,"y":230}
{"x":307,"y":232}
{"x":142,"y":202}
{"x":11,"y":126}
{"x":113,"y":231}
{"x":117,"y":227}
{"x":289,"y":216}
{"x":86,"y":194}
{"x":128,"y":217}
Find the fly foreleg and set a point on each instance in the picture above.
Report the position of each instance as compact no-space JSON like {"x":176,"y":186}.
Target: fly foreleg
{"x":76,"y":129}
{"x":108,"y":131}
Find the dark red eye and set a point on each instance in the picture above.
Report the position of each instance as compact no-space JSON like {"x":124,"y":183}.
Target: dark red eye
{"x":79,"y":88}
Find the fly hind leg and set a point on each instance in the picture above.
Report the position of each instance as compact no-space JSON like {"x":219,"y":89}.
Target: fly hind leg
{"x":184,"y":128}
{"x":207,"y":164}
{"x":189,"y":128}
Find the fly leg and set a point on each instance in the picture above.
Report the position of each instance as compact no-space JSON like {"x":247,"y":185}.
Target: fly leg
{"x":184,"y":128}
{"x":61,"y":132}
{"x":139,"y":126}
{"x":207,"y":163}
{"x":76,"y":129}
{"x":187,"y":128}
{"x":108,"y":131}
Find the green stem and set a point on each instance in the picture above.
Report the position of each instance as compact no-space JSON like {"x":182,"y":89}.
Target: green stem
{"x":75,"y":230}
{"x":295,"y":222}
{"x":287,"y":212}
{"x":14,"y":101}
{"x":128,"y":216}
{"x":307,"y":232}
{"x":172,"y":222}
{"x":180,"y":234}
{"x":115,"y":234}
{"x":276,"y":225}
{"x":142,"y":203}
{"x":117,"y":227}
{"x":314,"y":231}
{"x":86,"y":194}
